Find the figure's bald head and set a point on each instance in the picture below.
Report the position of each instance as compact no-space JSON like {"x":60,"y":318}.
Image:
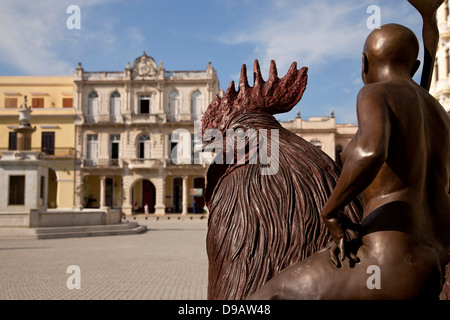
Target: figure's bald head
{"x":392,"y":45}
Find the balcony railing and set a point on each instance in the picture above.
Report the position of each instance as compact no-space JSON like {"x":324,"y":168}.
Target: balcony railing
{"x":113,"y":163}
{"x":184,"y":117}
{"x":180,"y":162}
{"x":103,"y":118}
{"x":142,"y":118}
{"x":146,"y":118}
{"x":144,"y":163}
{"x":56,"y":152}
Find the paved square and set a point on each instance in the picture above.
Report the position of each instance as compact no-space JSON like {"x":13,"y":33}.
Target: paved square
{"x":167,"y":262}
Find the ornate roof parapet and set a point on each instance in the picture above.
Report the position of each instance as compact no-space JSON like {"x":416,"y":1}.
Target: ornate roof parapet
{"x":144,"y":67}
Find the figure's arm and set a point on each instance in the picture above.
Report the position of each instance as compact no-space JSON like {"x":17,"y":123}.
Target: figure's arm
{"x":430,"y":33}
{"x":347,"y":150}
{"x":363,"y":161}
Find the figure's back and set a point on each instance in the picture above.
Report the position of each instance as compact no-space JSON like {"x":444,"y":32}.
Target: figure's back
{"x":421,"y":120}
{"x":437,"y":133}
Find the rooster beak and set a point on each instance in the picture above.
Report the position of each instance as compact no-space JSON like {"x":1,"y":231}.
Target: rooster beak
{"x":199,"y":147}
{"x":207,"y":139}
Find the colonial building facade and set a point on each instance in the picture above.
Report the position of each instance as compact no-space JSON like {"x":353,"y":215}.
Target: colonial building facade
{"x":440,"y":85}
{"x":129,"y":128}
{"x":323,"y":132}
{"x":124,"y":139}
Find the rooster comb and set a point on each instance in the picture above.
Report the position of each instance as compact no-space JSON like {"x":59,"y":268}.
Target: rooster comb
{"x":272,"y":96}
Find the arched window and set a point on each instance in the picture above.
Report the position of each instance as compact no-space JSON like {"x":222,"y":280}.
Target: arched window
{"x":338,"y":154}
{"x":174,"y":106}
{"x":447,"y":60}
{"x":196,"y":105}
{"x":144,"y":147}
{"x":447,"y":10}
{"x":436,"y":70}
{"x":115,"y":106}
{"x":316,"y":143}
{"x":93,"y":104}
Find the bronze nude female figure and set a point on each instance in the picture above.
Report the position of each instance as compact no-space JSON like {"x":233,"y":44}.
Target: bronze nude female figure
{"x":400,"y":161}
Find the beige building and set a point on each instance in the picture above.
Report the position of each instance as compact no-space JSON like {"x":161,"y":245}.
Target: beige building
{"x":323,"y":132}
{"x":131,"y":127}
{"x":124,"y":139}
{"x":440,"y":85}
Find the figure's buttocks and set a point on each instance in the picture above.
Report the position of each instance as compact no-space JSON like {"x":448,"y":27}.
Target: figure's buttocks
{"x":393,"y":216}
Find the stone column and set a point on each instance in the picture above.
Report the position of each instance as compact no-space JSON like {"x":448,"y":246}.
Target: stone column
{"x":79,"y":158}
{"x":102,"y":192}
{"x":127,"y":204}
{"x":127,"y":98}
{"x":160,"y":207}
{"x":185,"y":196}
{"x":78,"y":199}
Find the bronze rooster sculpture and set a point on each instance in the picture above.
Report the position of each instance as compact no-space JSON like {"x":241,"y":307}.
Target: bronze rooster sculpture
{"x":258,"y":223}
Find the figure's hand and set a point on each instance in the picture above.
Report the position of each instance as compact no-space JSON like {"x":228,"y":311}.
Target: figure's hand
{"x":426,"y":7}
{"x":338,"y":252}
{"x":337,"y":223}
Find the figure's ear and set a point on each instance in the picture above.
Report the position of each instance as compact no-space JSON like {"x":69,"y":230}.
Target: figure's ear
{"x":365,"y":63}
{"x":415,"y":68}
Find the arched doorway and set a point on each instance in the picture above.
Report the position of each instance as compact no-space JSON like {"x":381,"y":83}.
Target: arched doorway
{"x":177,"y":195}
{"x":52,"y":188}
{"x":316,"y":143}
{"x":143,"y":192}
{"x":337,"y":154}
{"x":109,"y":192}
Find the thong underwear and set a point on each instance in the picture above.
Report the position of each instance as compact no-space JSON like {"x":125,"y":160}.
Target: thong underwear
{"x":393,"y":216}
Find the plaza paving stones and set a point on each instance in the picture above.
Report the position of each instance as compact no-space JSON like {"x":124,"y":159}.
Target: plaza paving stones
{"x":167,"y":262}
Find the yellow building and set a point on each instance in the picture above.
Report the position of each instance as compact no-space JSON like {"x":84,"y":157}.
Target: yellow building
{"x":53,"y":115}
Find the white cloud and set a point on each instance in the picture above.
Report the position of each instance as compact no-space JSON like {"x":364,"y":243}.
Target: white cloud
{"x":318,"y":34}
{"x":26,"y":36}
{"x":34,"y":33}
{"x":313,"y":32}
{"x":135,"y":36}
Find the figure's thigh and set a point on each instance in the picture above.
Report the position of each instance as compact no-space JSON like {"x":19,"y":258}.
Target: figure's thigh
{"x":317,"y":278}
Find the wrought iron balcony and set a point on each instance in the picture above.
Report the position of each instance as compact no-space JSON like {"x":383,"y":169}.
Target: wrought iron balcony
{"x":146,"y":118}
{"x":56,"y":153}
{"x":111,"y":163}
{"x":184,"y":117}
{"x":144,"y":163}
{"x":103,"y":119}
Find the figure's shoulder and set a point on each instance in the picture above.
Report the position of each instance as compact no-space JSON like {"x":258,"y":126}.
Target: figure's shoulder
{"x":374,"y":92}
{"x":386,"y":90}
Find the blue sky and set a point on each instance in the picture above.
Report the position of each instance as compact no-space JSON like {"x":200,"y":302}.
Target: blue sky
{"x":325,"y":35}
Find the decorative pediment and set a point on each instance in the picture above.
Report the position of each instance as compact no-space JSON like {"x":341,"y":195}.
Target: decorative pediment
{"x":144,"y":67}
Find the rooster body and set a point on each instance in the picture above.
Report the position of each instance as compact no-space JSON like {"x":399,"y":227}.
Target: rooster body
{"x":260,"y":224}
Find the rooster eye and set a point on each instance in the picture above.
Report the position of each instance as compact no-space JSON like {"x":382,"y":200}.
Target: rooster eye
{"x":240,"y":134}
